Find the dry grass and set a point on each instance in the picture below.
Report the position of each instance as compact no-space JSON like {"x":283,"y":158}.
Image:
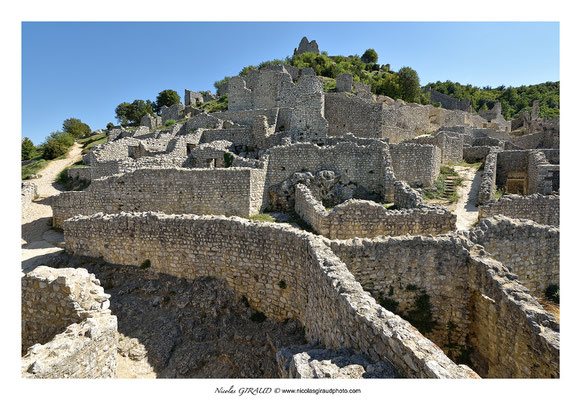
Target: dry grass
{"x":552,"y":308}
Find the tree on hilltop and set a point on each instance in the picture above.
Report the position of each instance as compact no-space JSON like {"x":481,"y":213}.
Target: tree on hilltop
{"x":76,"y":127}
{"x":369,"y":57}
{"x":166,"y":98}
{"x":131,"y":113}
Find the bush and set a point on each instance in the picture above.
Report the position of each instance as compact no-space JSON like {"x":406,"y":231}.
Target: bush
{"x":110,"y":126}
{"x":131,"y":113}
{"x":552,"y":293}
{"x":57,"y":145}
{"x":33,"y":168}
{"x":170,"y":122}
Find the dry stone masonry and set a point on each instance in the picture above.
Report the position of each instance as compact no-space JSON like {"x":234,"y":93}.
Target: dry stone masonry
{"x":343,"y":173}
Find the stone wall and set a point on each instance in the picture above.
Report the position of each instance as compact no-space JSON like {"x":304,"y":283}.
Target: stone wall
{"x":467,"y":303}
{"x":221,"y":191}
{"x":536,"y":207}
{"x":448,"y":102}
{"x":488,"y":183}
{"x":67,"y":329}
{"x":449,"y":143}
{"x":368,"y":165}
{"x":406,"y":197}
{"x":416,"y":164}
{"x":256,"y":259}
{"x":542,"y":176}
{"x":28,"y":192}
{"x":473,"y":154}
{"x":528,"y":249}
{"x":362,"y":218}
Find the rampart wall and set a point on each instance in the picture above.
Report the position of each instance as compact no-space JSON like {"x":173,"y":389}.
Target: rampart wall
{"x":254,"y":259}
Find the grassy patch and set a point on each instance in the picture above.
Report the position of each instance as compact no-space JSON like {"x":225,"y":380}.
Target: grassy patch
{"x":33,"y":168}
{"x":476,"y":165}
{"x":170,"y":122}
{"x":262,"y":218}
{"x":439,"y":189}
{"x":220,"y":104}
{"x":498,"y":193}
{"x":92,"y":138}
{"x":389,"y":206}
{"x":69,"y":183}
{"x":329,"y":84}
{"x":98,"y":139}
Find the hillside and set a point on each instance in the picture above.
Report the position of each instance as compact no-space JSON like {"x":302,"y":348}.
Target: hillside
{"x":513,"y":99}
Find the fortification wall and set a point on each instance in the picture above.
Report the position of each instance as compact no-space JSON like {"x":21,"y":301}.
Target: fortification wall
{"x":255,"y":259}
{"x":221,"y":191}
{"x":416,"y":164}
{"x":528,"y":249}
{"x":361,"y":218}
{"x":67,"y":329}
{"x":536,"y":207}
{"x":467,"y":303}
{"x":367,"y":165}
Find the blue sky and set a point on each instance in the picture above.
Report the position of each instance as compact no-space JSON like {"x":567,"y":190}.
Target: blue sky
{"x":84,"y":70}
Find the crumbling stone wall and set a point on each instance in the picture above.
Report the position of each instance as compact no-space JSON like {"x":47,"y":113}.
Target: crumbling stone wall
{"x":536,"y":207}
{"x":416,"y":164}
{"x":449,"y":143}
{"x":541,"y":174}
{"x":67,"y":329}
{"x":254,"y":259}
{"x":307,"y":47}
{"x":28,"y":192}
{"x":368,"y":165}
{"x":449,"y":102}
{"x":528,"y":249}
{"x":223,"y":191}
{"x":467,"y":303}
{"x":362,"y":218}
{"x":488,"y":182}
{"x":406,"y":197}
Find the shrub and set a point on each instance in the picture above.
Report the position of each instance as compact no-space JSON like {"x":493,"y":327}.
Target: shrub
{"x":369,"y":57}
{"x":552,"y":293}
{"x":76,"y":127}
{"x":166,"y":98}
{"x":110,"y":126}
{"x":170,"y":122}
{"x":56,"y":145}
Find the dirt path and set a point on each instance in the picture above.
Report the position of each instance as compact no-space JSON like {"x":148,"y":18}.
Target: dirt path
{"x":38,"y":240}
{"x":465,"y":208}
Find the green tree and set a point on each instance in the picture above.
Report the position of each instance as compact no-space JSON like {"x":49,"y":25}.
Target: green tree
{"x":28,"y":149}
{"x":409,"y":83}
{"x":57,"y":144}
{"x":110,"y":126}
{"x":122,"y":112}
{"x":166,"y":98}
{"x":76,"y":127}
{"x":369,"y":57}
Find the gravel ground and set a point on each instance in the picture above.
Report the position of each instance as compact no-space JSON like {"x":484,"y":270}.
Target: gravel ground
{"x":38,"y":240}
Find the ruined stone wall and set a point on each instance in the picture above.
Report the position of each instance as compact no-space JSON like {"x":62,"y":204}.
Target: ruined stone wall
{"x":254,"y":259}
{"x":247,"y":117}
{"x":488,"y":183}
{"x":510,"y":161}
{"x":530,"y":141}
{"x":361,"y":218}
{"x":449,"y":143}
{"x":221,"y":191}
{"x":28,"y":192}
{"x":477,"y":309}
{"x":67,"y":329}
{"x":406,"y":197}
{"x":238,"y":136}
{"x":448,"y":102}
{"x":411,"y":117}
{"x":540,"y":173}
{"x":347,"y":113}
{"x":528,"y":249}
{"x":416,"y":164}
{"x":367,"y":165}
{"x":473,"y":154}
{"x":536,"y":207}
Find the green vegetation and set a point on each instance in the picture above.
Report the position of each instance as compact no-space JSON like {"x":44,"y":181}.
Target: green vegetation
{"x":33,"y":168}
{"x":131,"y":113}
{"x":86,"y":140}
{"x":438,"y":192}
{"x":369,"y":57}
{"x":92,"y":141}
{"x":262,"y":218}
{"x":110,"y":126}
{"x":228,"y":159}
{"x":388,"y":303}
{"x":513,"y":100}
{"x":477,"y":165}
{"x":170,"y":122}
{"x":552,"y":293}
{"x":146,"y":264}
{"x":167,"y":98}
{"x":57,"y":144}
{"x":28,"y":150}
{"x":69,"y":183}
{"x":220,"y":104}
{"x":76,"y":127}
{"x":329,"y":84}
{"x":499,"y":193}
